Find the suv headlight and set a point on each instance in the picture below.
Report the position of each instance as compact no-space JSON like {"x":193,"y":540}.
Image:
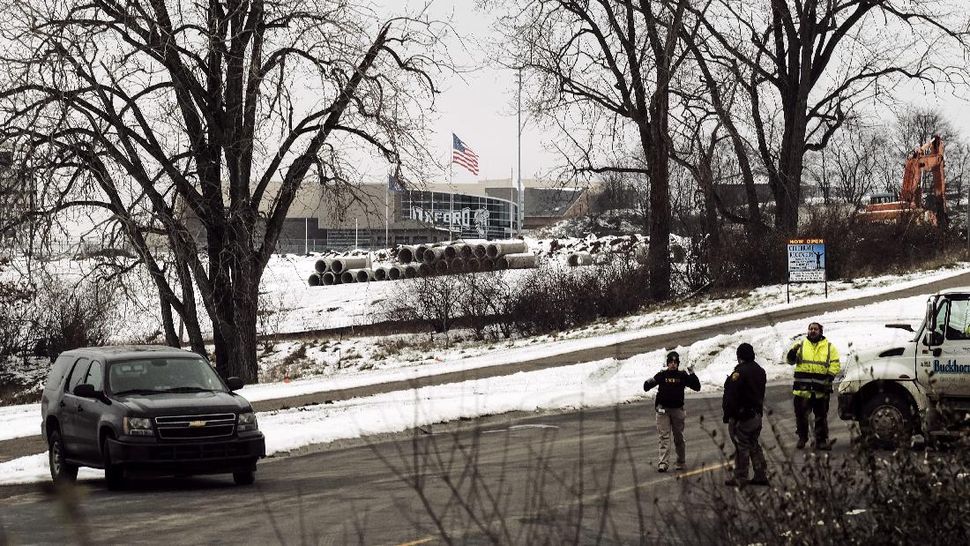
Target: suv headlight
{"x":138,"y":426}
{"x":247,"y":422}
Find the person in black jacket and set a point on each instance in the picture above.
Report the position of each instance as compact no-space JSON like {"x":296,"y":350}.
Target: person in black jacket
{"x":670,"y":408}
{"x":743,"y":404}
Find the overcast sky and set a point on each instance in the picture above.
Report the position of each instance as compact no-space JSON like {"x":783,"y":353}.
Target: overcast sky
{"x":479,"y":106}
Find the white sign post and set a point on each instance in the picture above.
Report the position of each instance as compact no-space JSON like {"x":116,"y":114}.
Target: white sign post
{"x":806,"y":263}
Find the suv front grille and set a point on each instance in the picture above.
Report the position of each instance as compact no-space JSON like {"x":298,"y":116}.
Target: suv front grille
{"x":195,"y":427}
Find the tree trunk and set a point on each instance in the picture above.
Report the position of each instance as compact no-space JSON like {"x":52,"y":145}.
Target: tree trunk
{"x":190,"y":315}
{"x":791,"y":162}
{"x":168,"y":322}
{"x":222,"y":295}
{"x":244,"y":351}
{"x":658,"y":153}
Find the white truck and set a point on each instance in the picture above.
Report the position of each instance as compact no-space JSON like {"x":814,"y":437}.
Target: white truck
{"x":920,"y":387}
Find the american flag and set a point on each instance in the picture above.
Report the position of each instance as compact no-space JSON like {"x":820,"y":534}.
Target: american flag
{"x":463,"y":155}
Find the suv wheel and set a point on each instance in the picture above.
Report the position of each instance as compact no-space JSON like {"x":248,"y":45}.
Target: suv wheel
{"x":244,"y":477}
{"x":61,"y":470}
{"x":887,"y":421}
{"x":114,"y":475}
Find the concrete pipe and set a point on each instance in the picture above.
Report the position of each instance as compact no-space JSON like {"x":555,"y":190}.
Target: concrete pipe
{"x":500,"y":263}
{"x":419,"y":253}
{"x":410,"y":272}
{"x":340,"y":265}
{"x":380,"y":274}
{"x":405,"y":254}
{"x":451,"y":252}
{"x":579,"y":258}
{"x":473,"y":265}
{"x":463,"y":251}
{"x":523,"y":260}
{"x":501,"y":248}
{"x":348,"y":277}
{"x":321,"y":266}
{"x":480,"y":251}
{"x":441,"y":267}
{"x":363,"y":274}
{"x":330,"y":279}
{"x":433,"y":255}
{"x":640,"y":254}
{"x":314,"y":279}
{"x":457,"y":265}
{"x":394,"y":272}
{"x":425,"y":270}
{"x":487,"y":264}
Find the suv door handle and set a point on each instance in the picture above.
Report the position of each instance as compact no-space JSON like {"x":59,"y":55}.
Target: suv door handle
{"x":80,"y":408}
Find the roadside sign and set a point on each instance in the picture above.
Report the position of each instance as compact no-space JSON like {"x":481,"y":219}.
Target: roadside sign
{"x":806,"y":262}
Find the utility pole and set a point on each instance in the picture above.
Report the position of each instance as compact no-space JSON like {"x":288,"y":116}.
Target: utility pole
{"x":521,"y":198}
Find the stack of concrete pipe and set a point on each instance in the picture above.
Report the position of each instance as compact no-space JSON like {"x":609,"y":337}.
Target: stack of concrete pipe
{"x":424,"y":261}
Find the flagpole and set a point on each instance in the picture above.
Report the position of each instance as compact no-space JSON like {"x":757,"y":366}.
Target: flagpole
{"x":511,"y":187}
{"x":521,"y":199}
{"x":387,"y":212}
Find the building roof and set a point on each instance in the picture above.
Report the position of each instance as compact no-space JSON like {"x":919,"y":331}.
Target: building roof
{"x":550,"y":201}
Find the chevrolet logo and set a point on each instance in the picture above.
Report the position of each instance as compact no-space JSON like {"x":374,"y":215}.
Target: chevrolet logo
{"x":196,"y":424}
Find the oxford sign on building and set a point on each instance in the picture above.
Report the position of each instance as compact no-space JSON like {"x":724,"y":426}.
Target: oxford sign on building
{"x":465,"y":216}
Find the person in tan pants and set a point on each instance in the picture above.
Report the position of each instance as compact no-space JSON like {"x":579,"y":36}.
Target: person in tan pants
{"x":670,"y":409}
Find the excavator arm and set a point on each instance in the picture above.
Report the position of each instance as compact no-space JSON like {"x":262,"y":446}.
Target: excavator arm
{"x":927,"y":158}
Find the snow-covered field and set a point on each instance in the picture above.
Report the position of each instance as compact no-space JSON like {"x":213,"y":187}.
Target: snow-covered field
{"x":601,"y":383}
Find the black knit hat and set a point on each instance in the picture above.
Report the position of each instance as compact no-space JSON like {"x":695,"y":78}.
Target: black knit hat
{"x":746,"y":352}
{"x":673,"y":355}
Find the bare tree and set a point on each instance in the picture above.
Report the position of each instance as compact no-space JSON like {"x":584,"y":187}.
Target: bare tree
{"x":849,"y":167}
{"x":805,"y":66}
{"x":603,"y":70}
{"x":169,"y":115}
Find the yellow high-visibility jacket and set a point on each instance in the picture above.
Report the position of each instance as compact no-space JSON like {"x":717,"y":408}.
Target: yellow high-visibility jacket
{"x":816,"y":364}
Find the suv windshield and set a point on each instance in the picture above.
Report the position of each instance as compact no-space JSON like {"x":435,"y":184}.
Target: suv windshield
{"x":156,"y":375}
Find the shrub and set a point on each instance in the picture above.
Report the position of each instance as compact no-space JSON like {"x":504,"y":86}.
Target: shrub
{"x":555,"y":299}
{"x":431,"y":300}
{"x":15,"y":317}
{"x":900,"y":497}
{"x":72,"y":318}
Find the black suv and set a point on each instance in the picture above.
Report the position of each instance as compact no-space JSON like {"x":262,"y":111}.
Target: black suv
{"x":146,"y":410}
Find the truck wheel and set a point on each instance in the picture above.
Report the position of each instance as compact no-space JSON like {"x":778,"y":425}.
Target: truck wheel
{"x":61,"y":470}
{"x":244,"y":477}
{"x":114,"y":475}
{"x":887,"y":421}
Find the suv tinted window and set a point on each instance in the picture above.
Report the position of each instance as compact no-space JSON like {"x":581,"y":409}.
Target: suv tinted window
{"x":163,"y":374}
{"x":77,"y":374}
{"x":60,"y":368}
{"x":95,"y":376}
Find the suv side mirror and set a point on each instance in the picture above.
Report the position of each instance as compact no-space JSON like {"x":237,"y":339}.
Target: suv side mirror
{"x":933,"y":338}
{"x":235,"y":383}
{"x":85,"y":391}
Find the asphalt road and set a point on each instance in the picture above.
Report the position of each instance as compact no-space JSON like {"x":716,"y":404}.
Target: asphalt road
{"x":519,"y":478}
{"x":19,"y":447}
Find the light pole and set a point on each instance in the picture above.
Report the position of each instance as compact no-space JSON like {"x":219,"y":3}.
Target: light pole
{"x":521,"y":198}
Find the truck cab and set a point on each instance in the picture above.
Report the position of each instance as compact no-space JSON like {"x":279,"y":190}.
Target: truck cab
{"x":917,"y":387}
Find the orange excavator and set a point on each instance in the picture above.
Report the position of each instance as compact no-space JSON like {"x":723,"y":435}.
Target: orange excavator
{"x":911,"y":205}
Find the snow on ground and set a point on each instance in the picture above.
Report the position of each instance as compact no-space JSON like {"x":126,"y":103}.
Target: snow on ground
{"x":19,"y":421}
{"x":592,"y":384}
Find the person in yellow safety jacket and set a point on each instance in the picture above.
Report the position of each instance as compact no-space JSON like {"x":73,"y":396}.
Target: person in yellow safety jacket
{"x":816,"y":363}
